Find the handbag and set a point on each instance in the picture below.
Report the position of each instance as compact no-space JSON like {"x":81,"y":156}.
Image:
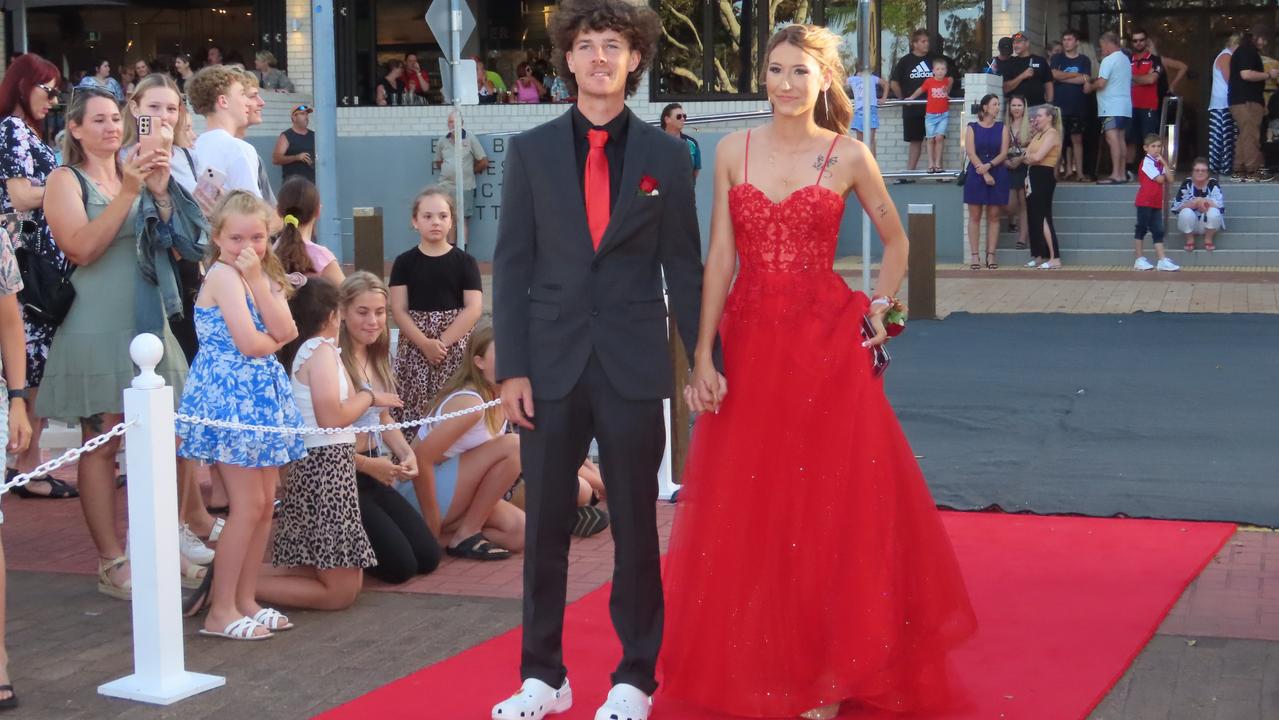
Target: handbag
{"x":963,"y":174}
{"x":47,"y":292}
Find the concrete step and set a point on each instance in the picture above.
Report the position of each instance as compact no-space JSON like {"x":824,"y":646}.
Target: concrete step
{"x":1267,"y":224}
{"x":1121,"y":238}
{"x":1231,"y":191}
{"x":1124,"y":257}
{"x":1122,"y":209}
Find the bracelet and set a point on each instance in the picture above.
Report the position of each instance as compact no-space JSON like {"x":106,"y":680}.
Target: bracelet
{"x":18,"y":394}
{"x":162,"y":204}
{"x":884,"y":300}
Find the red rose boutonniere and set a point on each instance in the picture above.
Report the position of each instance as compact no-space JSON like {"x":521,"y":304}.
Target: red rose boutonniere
{"x":648,"y":186}
{"x":895,"y":320}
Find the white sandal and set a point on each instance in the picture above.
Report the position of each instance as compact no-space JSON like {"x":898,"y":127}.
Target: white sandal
{"x":216,"y":532}
{"x":625,"y":702}
{"x":242,"y":629}
{"x":270,"y":618}
{"x":534,"y":701}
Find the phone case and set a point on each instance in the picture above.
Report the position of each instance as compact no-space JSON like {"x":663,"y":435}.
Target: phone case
{"x":881,"y":358}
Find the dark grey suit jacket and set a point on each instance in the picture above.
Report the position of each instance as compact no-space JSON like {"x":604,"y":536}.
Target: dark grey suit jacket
{"x":556,"y":300}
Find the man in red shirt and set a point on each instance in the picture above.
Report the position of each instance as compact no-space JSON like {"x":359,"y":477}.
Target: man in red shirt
{"x":1146,"y":68}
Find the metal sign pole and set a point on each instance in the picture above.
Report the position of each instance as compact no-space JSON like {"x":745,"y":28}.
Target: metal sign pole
{"x":866,"y":36}
{"x":455,"y":58}
{"x":325,"y":90}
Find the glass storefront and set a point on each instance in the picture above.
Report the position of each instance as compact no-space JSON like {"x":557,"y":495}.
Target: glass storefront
{"x":689,"y":68}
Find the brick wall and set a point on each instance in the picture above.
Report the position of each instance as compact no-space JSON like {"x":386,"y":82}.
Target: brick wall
{"x":299,"y":44}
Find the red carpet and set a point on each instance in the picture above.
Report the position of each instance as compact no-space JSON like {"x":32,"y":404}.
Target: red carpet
{"x":1064,"y":606}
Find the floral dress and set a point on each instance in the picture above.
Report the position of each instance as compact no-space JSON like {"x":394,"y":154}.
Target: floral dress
{"x":24,"y":155}
{"x":226,"y":384}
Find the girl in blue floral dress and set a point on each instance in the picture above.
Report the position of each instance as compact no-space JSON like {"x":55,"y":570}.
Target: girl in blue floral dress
{"x":242,"y":318}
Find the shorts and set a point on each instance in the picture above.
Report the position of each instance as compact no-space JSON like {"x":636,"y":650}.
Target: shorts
{"x":1074,"y":124}
{"x":1114,"y":122}
{"x":935,"y":124}
{"x":1149,"y":219}
{"x":874,"y":119}
{"x":912,"y":125}
{"x":1144,"y":122}
{"x":468,"y":203}
{"x":445,"y":486}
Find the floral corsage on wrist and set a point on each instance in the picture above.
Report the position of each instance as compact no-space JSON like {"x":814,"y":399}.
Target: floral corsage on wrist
{"x":895,"y":318}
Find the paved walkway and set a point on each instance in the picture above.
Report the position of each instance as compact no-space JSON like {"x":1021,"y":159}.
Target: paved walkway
{"x":1215,"y":656}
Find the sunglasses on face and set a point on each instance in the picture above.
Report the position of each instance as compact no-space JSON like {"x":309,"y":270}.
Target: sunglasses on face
{"x":679,"y":116}
{"x":50,"y":90}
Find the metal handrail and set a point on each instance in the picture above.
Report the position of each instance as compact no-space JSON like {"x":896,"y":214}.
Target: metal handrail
{"x":1171,"y":132}
{"x":750,"y":115}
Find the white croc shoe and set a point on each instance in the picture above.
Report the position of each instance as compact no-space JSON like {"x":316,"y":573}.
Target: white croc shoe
{"x":534,"y":701}
{"x":625,"y":702}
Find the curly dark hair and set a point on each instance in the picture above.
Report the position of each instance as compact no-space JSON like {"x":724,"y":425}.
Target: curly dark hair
{"x":637,"y":23}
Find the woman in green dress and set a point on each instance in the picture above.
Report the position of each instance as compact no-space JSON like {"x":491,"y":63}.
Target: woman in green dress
{"x":92,"y":206}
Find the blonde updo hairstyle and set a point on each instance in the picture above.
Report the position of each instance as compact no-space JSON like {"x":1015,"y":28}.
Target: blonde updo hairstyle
{"x":834,"y":109}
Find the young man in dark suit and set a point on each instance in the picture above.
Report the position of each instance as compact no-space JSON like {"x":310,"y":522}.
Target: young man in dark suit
{"x":597,"y":210}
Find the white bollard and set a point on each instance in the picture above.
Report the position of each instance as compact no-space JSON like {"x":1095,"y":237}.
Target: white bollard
{"x":159,"y":669}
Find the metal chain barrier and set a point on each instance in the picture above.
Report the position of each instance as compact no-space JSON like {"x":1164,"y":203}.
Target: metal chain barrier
{"x":66,"y":458}
{"x":228,"y":425}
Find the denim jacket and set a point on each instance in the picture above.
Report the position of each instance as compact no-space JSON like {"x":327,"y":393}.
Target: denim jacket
{"x":187,"y":233}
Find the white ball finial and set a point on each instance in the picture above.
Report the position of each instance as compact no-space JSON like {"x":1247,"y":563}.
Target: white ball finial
{"x":146,"y":351}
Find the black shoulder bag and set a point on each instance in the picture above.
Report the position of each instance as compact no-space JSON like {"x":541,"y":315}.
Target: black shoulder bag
{"x":47,"y":292}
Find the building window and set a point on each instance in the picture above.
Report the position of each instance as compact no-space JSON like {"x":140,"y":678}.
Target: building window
{"x":710,"y":49}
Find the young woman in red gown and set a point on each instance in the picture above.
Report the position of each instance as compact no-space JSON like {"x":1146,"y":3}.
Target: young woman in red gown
{"x":808,"y":564}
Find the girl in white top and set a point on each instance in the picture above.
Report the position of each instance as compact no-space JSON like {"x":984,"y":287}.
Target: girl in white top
{"x":466,"y":464}
{"x":469,"y":463}
{"x":319,"y":537}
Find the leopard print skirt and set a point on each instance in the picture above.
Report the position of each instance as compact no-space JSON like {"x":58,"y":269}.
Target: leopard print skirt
{"x":319,"y":524}
{"x":417,"y":379}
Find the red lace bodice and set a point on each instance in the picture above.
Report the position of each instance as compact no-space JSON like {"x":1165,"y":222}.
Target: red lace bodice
{"x":786,"y":249}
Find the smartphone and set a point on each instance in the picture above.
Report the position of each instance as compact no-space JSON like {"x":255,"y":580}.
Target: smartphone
{"x":210,"y":184}
{"x":881,"y":357}
{"x":150,"y":138}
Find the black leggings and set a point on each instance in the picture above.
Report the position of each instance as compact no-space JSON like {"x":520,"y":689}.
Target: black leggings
{"x":403,"y":544}
{"x":1039,"y":208}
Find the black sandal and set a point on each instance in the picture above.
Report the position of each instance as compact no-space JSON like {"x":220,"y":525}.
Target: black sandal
{"x":10,"y":702}
{"x":974,"y":265}
{"x":58,"y":489}
{"x":992,"y":265}
{"x":478,"y":547}
{"x":590,"y":520}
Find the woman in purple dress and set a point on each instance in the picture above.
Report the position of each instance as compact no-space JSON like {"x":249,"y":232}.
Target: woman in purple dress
{"x":986,"y":185}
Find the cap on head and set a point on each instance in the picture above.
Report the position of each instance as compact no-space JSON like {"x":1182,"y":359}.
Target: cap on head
{"x":1005,"y":44}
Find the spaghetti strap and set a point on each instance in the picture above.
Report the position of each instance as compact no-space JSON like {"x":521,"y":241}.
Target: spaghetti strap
{"x":822,"y":172}
{"x":746,"y":161}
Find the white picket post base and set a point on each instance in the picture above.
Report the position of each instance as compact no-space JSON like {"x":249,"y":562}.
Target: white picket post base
{"x":665,"y":479}
{"x":160,"y":675}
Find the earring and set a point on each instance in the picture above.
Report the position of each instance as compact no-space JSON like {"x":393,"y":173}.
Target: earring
{"x":823,"y":97}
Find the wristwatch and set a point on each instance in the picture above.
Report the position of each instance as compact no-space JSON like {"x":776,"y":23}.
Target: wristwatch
{"x":20,"y":393}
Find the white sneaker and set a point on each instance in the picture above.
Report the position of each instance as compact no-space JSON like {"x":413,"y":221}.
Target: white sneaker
{"x":534,"y":701}
{"x":1142,"y":264}
{"x":625,"y":702}
{"x":191,"y":547}
{"x":1167,"y":265}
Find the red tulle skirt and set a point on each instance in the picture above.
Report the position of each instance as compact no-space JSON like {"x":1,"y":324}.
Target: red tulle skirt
{"x":808,"y":564}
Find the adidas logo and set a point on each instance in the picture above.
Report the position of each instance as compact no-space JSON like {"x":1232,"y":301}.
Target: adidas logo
{"x":922,"y":71}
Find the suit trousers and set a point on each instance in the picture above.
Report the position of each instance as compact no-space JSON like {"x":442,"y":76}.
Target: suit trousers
{"x":632,"y":438}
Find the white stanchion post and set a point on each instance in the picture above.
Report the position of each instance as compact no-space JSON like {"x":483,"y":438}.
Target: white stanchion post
{"x":665,"y":475}
{"x":160,"y":676}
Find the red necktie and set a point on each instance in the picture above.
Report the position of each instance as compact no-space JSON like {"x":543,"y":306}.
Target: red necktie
{"x":596,"y":184}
